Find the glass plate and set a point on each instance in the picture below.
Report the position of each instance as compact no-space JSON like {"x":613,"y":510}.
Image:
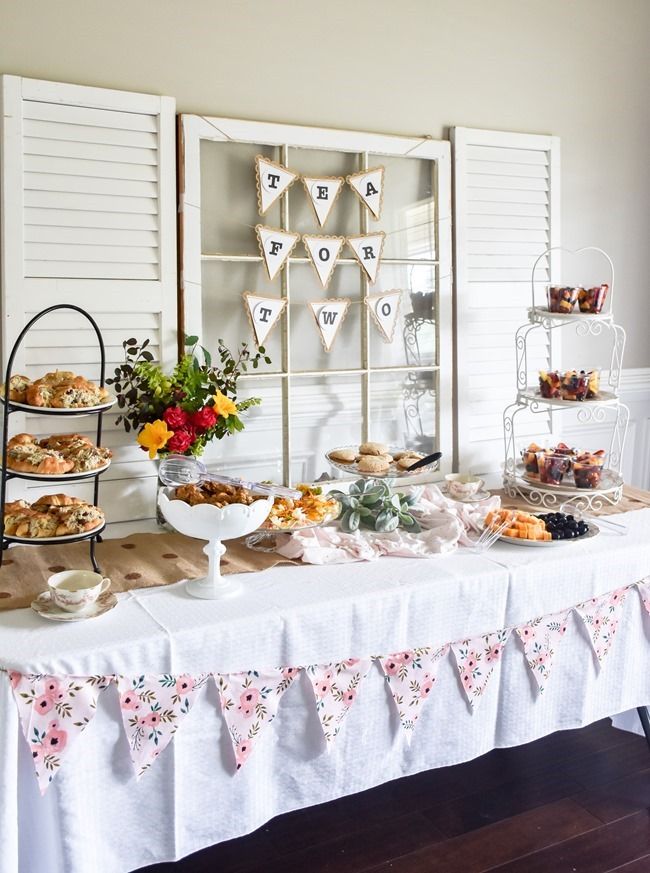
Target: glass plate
{"x":393,"y":472}
{"x":263,"y":540}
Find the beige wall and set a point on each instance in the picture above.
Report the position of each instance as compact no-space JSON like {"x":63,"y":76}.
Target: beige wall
{"x":574,"y":68}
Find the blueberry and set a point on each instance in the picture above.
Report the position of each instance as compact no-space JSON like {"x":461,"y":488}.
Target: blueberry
{"x":555,"y":535}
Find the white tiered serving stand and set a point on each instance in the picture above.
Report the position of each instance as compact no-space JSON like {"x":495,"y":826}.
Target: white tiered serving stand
{"x":607,"y":409}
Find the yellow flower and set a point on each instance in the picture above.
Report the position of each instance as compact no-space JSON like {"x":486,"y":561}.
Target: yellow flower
{"x":154,"y":436}
{"x":224,"y":405}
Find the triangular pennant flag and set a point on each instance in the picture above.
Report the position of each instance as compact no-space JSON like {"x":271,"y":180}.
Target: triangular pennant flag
{"x":323,"y":252}
{"x":367,"y":250}
{"x":335,"y":687}
{"x":53,"y":711}
{"x":476,"y":659}
{"x":272,"y":181}
{"x":411,"y":676}
{"x":601,"y":616}
{"x":329,"y":316}
{"x":153,"y":707}
{"x":384,"y":309}
{"x":249,"y":702}
{"x":368,"y":185}
{"x":540,"y":639}
{"x":275,"y":246}
{"x":263,"y":313}
{"x":322,"y":192}
{"x":644,"y":591}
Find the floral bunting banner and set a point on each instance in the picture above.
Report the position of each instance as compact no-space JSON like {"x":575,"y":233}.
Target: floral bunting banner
{"x":249,"y":702}
{"x":410,"y":676}
{"x":272,"y":181}
{"x":335,"y":688}
{"x":323,"y":192}
{"x":53,"y":711}
{"x":153,"y":708}
{"x":540,"y":639}
{"x":601,"y":616}
{"x":475,"y":660}
{"x":368,"y":185}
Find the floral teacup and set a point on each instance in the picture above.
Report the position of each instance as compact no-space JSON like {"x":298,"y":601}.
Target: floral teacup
{"x":463,"y":485}
{"x":74,"y":590}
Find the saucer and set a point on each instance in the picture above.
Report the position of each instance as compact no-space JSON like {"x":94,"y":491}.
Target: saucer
{"x":479,"y":497}
{"x":45,"y":606}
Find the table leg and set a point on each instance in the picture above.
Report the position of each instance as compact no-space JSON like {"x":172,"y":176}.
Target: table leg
{"x":644,"y":715}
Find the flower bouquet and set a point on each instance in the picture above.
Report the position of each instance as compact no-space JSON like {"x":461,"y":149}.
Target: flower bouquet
{"x":183,"y":411}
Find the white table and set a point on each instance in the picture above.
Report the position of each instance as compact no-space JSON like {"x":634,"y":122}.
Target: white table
{"x":95,"y":816}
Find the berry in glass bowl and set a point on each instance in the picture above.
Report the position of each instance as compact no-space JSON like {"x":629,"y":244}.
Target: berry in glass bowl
{"x":550,"y":384}
{"x":588,"y":469}
{"x":582,"y":385}
{"x":529,"y":457}
{"x":562,"y":298}
{"x":592,"y":300}
{"x":552,"y":468}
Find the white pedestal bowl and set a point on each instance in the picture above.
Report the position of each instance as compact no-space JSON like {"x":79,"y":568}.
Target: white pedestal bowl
{"x":206,"y":522}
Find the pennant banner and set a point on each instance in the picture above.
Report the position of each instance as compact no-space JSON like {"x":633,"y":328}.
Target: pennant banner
{"x":272,"y":181}
{"x":369,"y":187}
{"x":411,"y":676}
{"x":249,"y":702}
{"x":53,"y":711}
{"x":323,"y":252}
{"x":335,"y":687}
{"x":475,"y":659}
{"x":322,"y":193}
{"x":153,"y":708}
{"x":367,"y":250}
{"x":540,"y":639}
{"x":275,"y":246}
{"x":601,"y":616}
{"x":329,"y":316}
{"x":384,"y":309}
{"x":263,"y":314}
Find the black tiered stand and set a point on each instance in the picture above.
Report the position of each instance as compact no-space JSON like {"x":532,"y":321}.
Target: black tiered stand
{"x":9,"y":408}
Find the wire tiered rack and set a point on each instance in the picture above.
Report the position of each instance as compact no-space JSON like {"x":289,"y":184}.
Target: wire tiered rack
{"x":604,"y":411}
{"x":12,"y":407}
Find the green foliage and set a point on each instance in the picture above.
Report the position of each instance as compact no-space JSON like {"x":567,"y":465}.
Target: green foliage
{"x":370,"y":504}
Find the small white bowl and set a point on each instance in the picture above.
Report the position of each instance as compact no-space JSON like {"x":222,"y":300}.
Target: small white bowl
{"x":463,"y":485}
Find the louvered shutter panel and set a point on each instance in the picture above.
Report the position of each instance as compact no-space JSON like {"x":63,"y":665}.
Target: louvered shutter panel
{"x":506,"y":214}
{"x":88,"y":217}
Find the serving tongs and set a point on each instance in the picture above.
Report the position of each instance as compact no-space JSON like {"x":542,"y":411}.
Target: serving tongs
{"x":612,"y":526}
{"x":176,"y":470}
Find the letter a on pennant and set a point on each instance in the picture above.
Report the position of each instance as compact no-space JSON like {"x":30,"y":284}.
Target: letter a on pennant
{"x":384,"y":309}
{"x":322,"y":194}
{"x":323,"y":252}
{"x":272,"y":181}
{"x":275,"y":246}
{"x":367,"y":250}
{"x":263,"y":314}
{"x":369,"y":187}
{"x":329,"y":315}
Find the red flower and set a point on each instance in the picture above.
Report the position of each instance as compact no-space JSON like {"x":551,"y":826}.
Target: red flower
{"x":175,"y":418}
{"x":182,"y":440}
{"x":204,"y":419}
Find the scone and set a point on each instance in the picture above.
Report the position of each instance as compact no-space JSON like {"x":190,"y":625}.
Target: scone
{"x":344,"y":456}
{"x":373,"y":464}
{"x":373,"y":449}
{"x":407,"y":461}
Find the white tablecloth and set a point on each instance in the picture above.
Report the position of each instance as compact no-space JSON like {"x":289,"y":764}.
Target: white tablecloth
{"x":95,"y":816}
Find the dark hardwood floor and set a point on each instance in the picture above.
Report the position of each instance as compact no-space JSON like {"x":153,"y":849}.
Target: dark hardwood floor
{"x":573,"y":802}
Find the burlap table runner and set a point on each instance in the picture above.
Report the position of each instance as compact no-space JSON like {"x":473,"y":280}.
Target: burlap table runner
{"x":137,"y":561}
{"x":146,"y":560}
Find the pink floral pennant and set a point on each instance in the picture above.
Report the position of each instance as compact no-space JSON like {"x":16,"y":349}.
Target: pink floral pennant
{"x":335,"y":687}
{"x":411,"y":676}
{"x":53,"y":711}
{"x":601,"y":616}
{"x":475,"y":659}
{"x":153,"y":707}
{"x":644,"y":591}
{"x":540,"y":639}
{"x":249,"y":702}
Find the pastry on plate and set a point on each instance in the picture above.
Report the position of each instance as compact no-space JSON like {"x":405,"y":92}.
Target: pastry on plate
{"x":31,"y":458}
{"x":58,"y":500}
{"x":78,"y":519}
{"x":344,"y":456}
{"x":62,"y":389}
{"x":52,"y":516}
{"x":373,"y":464}
{"x":18,"y":386}
{"x":373,"y":449}
{"x":407,"y":461}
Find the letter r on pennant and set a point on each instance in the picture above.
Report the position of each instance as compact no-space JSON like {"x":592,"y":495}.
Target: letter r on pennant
{"x":368,"y":253}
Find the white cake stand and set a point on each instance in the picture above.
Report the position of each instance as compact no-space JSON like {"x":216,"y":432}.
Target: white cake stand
{"x":206,"y":522}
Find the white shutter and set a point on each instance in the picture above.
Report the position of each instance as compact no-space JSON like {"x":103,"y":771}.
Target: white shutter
{"x":506,"y":213}
{"x":89,"y":217}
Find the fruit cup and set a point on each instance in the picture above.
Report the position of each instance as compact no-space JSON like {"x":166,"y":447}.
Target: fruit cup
{"x":575,"y":385}
{"x":592,"y":300}
{"x":562,"y":298}
{"x":588,"y":469}
{"x":549,"y":384}
{"x":529,"y":457}
{"x":552,"y":468}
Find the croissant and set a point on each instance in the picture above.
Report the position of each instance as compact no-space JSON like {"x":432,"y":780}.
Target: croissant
{"x":80,"y":519}
{"x":58,"y":500}
{"x":22,"y":439}
{"x":39,"y":394}
{"x":18,"y":385}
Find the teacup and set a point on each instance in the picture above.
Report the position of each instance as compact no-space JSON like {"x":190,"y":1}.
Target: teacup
{"x":459,"y":485}
{"x":74,"y":590}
